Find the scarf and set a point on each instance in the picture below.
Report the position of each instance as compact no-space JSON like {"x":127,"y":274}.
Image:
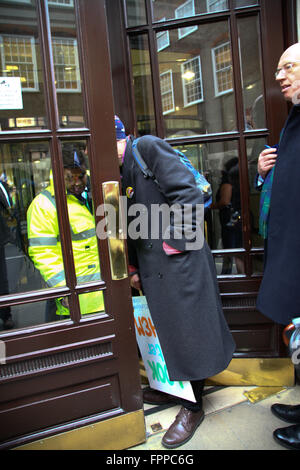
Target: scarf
{"x":265,"y":201}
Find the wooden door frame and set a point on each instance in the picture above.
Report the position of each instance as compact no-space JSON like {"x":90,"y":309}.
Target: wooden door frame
{"x":62,"y":376}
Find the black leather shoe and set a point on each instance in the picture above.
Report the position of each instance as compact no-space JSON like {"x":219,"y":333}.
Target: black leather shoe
{"x":288,"y":437}
{"x":155,"y":397}
{"x":183,"y":428}
{"x":288,"y":413}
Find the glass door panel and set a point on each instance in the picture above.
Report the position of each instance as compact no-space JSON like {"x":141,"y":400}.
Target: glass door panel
{"x":30,"y":246}
{"x":196,"y":80}
{"x":219,"y":163}
{"x":251,"y":68}
{"x":22,"y":101}
{"x":245,"y":3}
{"x":68,"y":79}
{"x":254,"y":147}
{"x":174,"y":9}
{"x":142,"y":84}
{"x":136,"y":12}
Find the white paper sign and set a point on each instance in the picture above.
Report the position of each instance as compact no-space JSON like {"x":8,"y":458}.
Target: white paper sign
{"x":152,"y":354}
{"x":11,"y":93}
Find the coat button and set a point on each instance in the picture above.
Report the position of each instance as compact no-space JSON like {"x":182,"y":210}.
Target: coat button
{"x":150,"y":245}
{"x":160,"y":276}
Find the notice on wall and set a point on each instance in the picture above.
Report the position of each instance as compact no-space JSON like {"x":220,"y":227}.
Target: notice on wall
{"x":152,"y":354}
{"x":11,"y":93}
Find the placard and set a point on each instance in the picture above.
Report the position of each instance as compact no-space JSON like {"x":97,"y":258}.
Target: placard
{"x":11,"y":93}
{"x":152,"y":354}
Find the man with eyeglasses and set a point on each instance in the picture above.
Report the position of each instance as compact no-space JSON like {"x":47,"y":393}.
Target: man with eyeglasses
{"x":44,"y":238}
{"x":279,"y":176}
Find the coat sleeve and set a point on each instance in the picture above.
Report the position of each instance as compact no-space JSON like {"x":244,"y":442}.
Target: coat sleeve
{"x":179,"y":188}
{"x":44,"y":246}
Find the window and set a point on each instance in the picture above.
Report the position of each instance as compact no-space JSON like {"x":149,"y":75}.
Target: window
{"x":167,"y":92}
{"x":19,"y":60}
{"x":66,"y":65}
{"x":222,"y":67}
{"x":216,"y":5}
{"x":18,"y":1}
{"x":61,"y":3}
{"x":185,"y":10}
{"x":192,"y":81}
{"x":163,"y":39}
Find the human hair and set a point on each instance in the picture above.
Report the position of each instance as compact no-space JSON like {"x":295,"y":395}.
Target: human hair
{"x":73,"y":156}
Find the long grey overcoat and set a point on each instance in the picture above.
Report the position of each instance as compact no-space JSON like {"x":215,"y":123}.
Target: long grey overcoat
{"x":181,"y":290}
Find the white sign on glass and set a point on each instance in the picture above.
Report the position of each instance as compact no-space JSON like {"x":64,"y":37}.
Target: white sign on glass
{"x":11,"y":93}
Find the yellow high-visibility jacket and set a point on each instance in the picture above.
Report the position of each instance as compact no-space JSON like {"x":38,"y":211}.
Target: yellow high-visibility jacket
{"x":45,"y":246}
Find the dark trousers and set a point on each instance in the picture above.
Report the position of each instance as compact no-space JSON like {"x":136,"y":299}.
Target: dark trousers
{"x":5,"y":312}
{"x":198,"y":386}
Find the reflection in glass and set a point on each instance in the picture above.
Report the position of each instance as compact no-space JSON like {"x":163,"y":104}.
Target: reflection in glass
{"x":254,"y":147}
{"x":257,"y":261}
{"x":170,"y":9}
{"x":136,"y":13}
{"x":82,"y":222}
{"x":21,"y":68}
{"x":228,"y":265}
{"x":245,"y":3}
{"x":197,"y":99}
{"x":142,"y":84}
{"x":219,"y":163}
{"x":26,"y":241}
{"x":251,"y":66}
{"x":30,"y":314}
{"x":66,"y":64}
{"x":30,"y":242}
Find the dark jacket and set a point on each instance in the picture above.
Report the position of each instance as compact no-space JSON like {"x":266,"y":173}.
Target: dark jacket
{"x":5,"y":203}
{"x":181,"y":290}
{"x":279,"y":295}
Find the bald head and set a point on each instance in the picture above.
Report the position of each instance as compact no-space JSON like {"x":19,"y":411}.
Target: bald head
{"x":288,"y":73}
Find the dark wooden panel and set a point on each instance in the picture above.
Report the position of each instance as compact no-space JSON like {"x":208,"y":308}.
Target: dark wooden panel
{"x":28,"y":415}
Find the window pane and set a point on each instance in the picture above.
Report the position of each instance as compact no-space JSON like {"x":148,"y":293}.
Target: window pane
{"x":170,"y":9}
{"x":228,"y":265}
{"x":219,"y":163}
{"x":136,"y":13}
{"x":257,"y":262}
{"x":197,"y":99}
{"x":28,"y":314}
{"x":22,"y":103}
{"x":66,"y":63}
{"x":30,"y":247}
{"x":251,"y":66}
{"x":142,"y":84}
{"x":245,"y":3}
{"x":82,"y":223}
{"x":254,"y":147}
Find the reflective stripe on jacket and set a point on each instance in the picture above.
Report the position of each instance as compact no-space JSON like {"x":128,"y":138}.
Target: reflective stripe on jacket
{"x":45,"y":247}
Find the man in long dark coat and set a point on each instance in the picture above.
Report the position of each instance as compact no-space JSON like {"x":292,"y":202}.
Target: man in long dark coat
{"x":279,"y":296}
{"x":179,"y":281}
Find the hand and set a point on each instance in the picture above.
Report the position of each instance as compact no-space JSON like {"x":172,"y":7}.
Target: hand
{"x":266,"y":161}
{"x":135,"y":282}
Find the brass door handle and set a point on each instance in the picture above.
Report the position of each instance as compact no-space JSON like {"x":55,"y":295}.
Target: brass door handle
{"x":114,"y":230}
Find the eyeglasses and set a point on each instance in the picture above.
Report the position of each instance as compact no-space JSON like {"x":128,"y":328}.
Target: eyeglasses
{"x":286,"y":68}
